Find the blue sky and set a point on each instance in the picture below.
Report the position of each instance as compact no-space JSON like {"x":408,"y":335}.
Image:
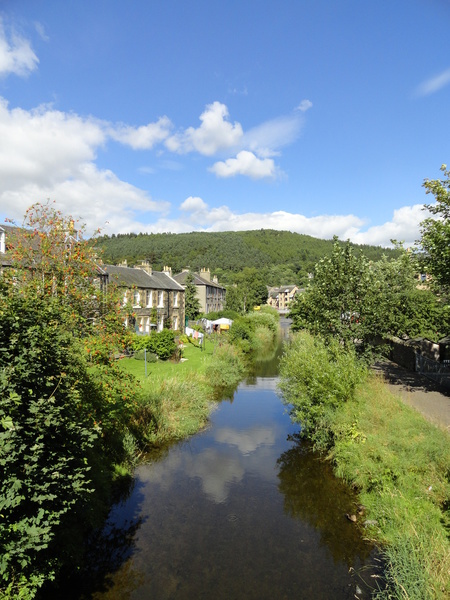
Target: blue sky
{"x":320,"y":117}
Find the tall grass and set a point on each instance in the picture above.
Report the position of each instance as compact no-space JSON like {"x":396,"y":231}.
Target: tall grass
{"x":176,"y":398}
{"x":398,"y":461}
{"x":401,"y":465}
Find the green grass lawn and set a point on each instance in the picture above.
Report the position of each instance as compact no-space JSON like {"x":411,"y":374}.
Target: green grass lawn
{"x":196,"y":361}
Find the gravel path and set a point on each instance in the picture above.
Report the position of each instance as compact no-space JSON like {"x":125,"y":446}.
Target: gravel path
{"x":418,"y":391}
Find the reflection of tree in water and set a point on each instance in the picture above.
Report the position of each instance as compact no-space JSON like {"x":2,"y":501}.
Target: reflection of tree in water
{"x":314,"y":495}
{"x":108,"y":549}
{"x":265,"y":363}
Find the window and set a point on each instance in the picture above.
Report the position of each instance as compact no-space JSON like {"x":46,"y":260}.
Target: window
{"x":125,"y":298}
{"x":160,"y":299}
{"x":149,"y":298}
{"x":136,"y":298}
{"x":175,"y":323}
{"x":175,"y":300}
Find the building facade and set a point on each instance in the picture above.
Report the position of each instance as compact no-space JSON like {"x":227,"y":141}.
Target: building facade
{"x":210,"y":293}
{"x":156,"y":299}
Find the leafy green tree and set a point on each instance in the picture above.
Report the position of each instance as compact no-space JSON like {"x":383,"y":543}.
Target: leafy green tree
{"x":435,"y":240}
{"x":64,"y":404}
{"x":191,"y":302}
{"x":336,"y":300}
{"x":359,"y":301}
{"x":251,"y":289}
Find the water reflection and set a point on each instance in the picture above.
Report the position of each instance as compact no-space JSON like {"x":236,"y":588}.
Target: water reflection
{"x":313,"y":495}
{"x":240,"y":511}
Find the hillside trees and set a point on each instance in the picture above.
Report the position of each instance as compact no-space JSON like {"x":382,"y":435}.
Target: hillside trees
{"x":64,"y":406}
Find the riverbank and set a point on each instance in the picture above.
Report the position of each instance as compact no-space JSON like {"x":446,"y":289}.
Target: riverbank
{"x":399,"y":464}
{"x":175,"y":399}
{"x":396,"y":460}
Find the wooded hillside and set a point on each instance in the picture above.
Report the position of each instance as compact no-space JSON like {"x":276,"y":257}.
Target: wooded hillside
{"x":283,"y":256}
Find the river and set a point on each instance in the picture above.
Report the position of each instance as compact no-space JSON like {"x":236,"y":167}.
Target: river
{"x":242,"y":510}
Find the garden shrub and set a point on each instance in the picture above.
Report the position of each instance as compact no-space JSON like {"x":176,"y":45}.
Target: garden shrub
{"x":160,"y":343}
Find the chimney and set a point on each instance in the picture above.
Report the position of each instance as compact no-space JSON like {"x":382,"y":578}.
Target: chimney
{"x":206,"y":274}
{"x":215,"y":280}
{"x":168,"y":271}
{"x":124,"y":263}
{"x":145,"y":266}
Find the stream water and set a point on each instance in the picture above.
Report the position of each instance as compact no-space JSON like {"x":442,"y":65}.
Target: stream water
{"x":242,"y":510}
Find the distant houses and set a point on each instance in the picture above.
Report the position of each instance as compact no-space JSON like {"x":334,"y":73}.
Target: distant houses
{"x":281,"y":297}
{"x":156,"y":299}
{"x":210,"y":293}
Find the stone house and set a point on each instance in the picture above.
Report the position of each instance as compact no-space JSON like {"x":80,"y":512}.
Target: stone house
{"x":157,"y":300}
{"x":281,"y":297}
{"x":210,"y":293}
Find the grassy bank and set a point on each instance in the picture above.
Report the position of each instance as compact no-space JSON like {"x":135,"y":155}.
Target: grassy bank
{"x":397,"y":461}
{"x":176,"y":398}
{"x":400,"y":463}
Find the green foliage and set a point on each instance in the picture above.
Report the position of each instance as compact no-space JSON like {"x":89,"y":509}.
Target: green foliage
{"x":435,"y":240}
{"x":315,"y":379}
{"x":160,"y":343}
{"x":357,"y":301}
{"x":281,"y":257}
{"x":191,"y":301}
{"x":64,"y":404}
{"x":399,"y":463}
{"x":47,"y":439}
{"x":227,"y":368}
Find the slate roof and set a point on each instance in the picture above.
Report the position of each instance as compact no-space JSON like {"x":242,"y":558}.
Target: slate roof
{"x":131,"y":277}
{"x":181,"y":278}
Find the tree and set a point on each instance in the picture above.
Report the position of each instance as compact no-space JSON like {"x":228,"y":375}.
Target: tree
{"x":191,"y":302}
{"x":435,"y":240}
{"x":251,"y":290}
{"x":336,"y":301}
{"x":356,"y":300}
{"x":64,"y":404}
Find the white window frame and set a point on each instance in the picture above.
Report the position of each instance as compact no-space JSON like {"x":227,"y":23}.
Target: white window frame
{"x":175,"y":299}
{"x":160,"y":299}
{"x":136,"y":298}
{"x":149,"y":294}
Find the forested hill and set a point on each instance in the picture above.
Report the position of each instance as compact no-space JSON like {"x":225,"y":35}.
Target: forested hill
{"x":279,"y":254}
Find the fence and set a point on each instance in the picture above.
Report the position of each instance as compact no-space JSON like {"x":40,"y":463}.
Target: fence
{"x":437,"y":371}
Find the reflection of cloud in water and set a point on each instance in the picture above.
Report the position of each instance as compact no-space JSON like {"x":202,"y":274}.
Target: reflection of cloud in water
{"x":216,"y":471}
{"x":248,"y":440}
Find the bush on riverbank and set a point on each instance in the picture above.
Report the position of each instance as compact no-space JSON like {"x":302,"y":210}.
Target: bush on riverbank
{"x":316,"y":379}
{"x":397,"y":461}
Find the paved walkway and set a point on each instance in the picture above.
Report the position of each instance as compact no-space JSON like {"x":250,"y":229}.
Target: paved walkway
{"x":419,"y":392}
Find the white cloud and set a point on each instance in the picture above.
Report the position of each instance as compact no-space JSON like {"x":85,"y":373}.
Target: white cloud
{"x":265,"y":139}
{"x":214,"y":134}
{"x":304,"y":105}
{"x":48,"y":154}
{"x":198,"y":216}
{"x":434,"y":84}
{"x":193,"y":204}
{"x":16,"y":54}
{"x":404,"y":227}
{"x":245,"y":163}
{"x":144,"y":137}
